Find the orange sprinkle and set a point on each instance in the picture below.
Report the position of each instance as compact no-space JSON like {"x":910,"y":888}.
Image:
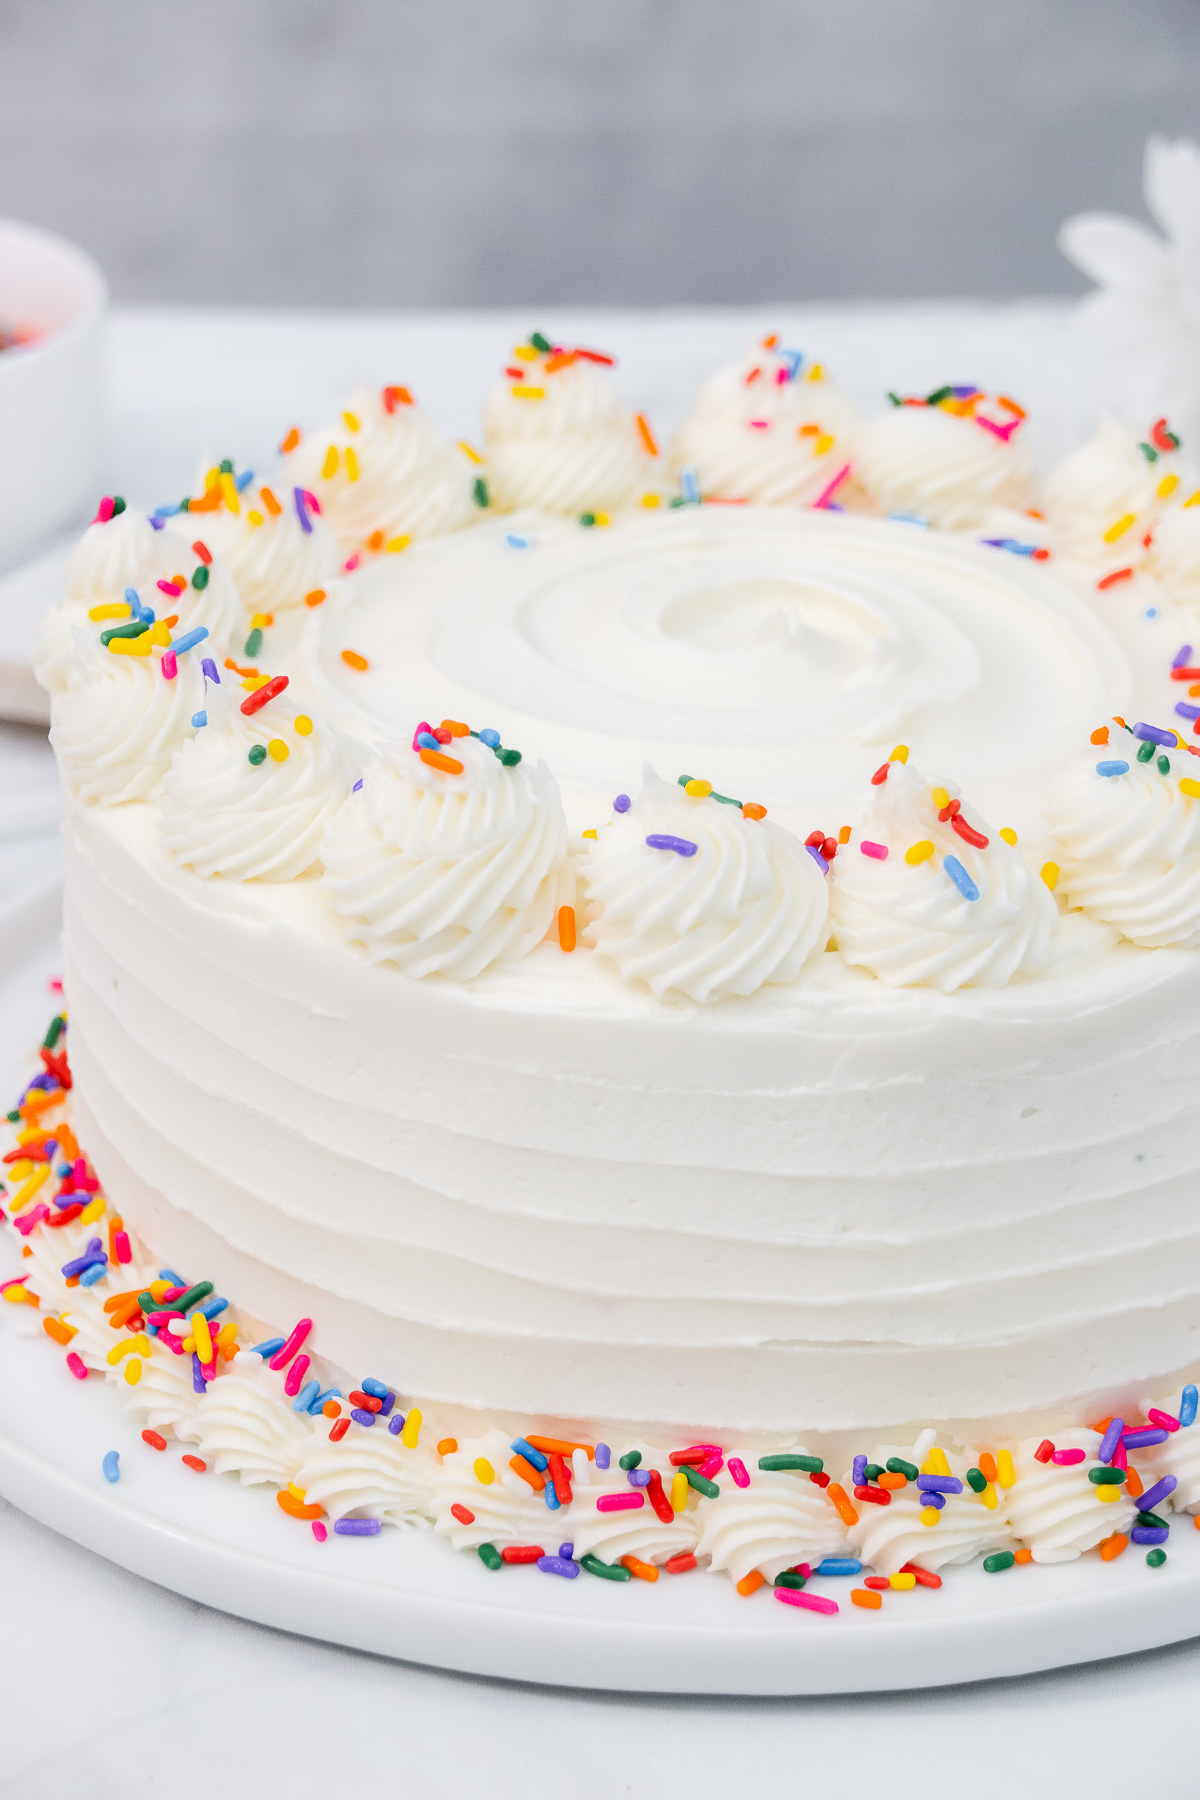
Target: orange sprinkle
{"x":561,"y":359}
{"x":209,"y":502}
{"x":844,"y":832}
{"x":841,"y":1501}
{"x":294,"y":1508}
{"x":1107,"y":581}
{"x":1120,"y":721}
{"x":646,"y":435}
{"x":1022,"y":1556}
{"x":892,"y":1481}
{"x":1100,"y":735}
{"x":248,"y":673}
{"x":647,"y":1572}
{"x":116,"y":1300}
{"x":290,"y":441}
{"x":560,"y":1446}
{"x":62,"y":1334}
{"x":121,"y":1315}
{"x":269,"y":501}
{"x":752,"y":810}
{"x":447,"y":1446}
{"x":115,"y":1224}
{"x":769,"y":343}
{"x":397,"y":396}
{"x":520,"y":1465}
{"x":354,"y":660}
{"x":315,"y":597}
{"x":332,"y":1410}
{"x":1011,"y":406}
{"x":456,"y":728}
{"x":1113,"y":1546}
{"x":750,"y":1584}
{"x":66,"y":1139}
{"x":566,"y":927}
{"x":987,"y":1466}
{"x":865,"y":1597}
{"x":39,"y":1101}
{"x":375,"y":541}
{"x":1134,"y":1485}
{"x":434,"y":758}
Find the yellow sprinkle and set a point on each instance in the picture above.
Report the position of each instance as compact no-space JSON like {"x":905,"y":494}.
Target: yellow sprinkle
{"x":119,"y":1350}
{"x":1008,"y":834}
{"x":919,"y":853}
{"x":526,"y":353}
{"x":1050,"y":875}
{"x":278,"y":750}
{"x":212,"y":480}
{"x":158,"y":1289}
{"x":303,"y":725}
{"x":28,"y":1189}
{"x":1194,"y":499}
{"x":1119,"y":528}
{"x":1167,"y":486}
{"x":227,"y":1335}
{"x":93,"y":1210}
{"x":1005,"y":1473}
{"x":1109,"y":1491}
{"x":484,"y":1471}
{"x":253,"y":682}
{"x":297,"y":1493}
{"x":589,"y":833}
{"x":1190,"y":788}
{"x":189,"y":1344}
{"x":697,"y":788}
{"x":203,"y":1337}
{"x":990,"y":1497}
{"x":352,"y":423}
{"x":260,"y":621}
{"x":902,"y":1583}
{"x":351,"y":464}
{"x":899,"y":754}
{"x":329,"y":466}
{"x":138,"y":646}
{"x":940,"y":797}
{"x":398,"y":543}
{"x":115,"y":609}
{"x":229,"y":493}
{"x":254,"y":518}
{"x":19,"y":1170}
{"x":679,"y":1492}
{"x":133,"y":1371}
{"x":937,"y":1464}
{"x":469,"y":450}
{"x":651,"y":500}
{"x":816,"y":373}
{"x":18,"y":1297}
{"x":412,"y":1427}
{"x":521,"y":392}
{"x":930,"y":1515}
{"x":158,"y":634}
{"x":823,"y":443}
{"x":601,"y":519}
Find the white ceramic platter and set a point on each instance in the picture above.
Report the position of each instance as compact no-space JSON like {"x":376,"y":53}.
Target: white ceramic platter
{"x":408,"y":1595}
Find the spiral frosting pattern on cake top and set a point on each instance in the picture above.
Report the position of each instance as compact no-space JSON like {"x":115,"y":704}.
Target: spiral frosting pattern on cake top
{"x":928,"y":894}
{"x":560,"y":439}
{"x":117,"y":725}
{"x":952,"y":458}
{"x":771,"y":429}
{"x":693,"y":895}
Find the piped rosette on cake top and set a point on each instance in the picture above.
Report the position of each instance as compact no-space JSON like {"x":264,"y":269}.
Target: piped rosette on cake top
{"x":450,"y":854}
{"x":384,"y":474}
{"x":277,"y":547}
{"x":927,"y":894}
{"x":559,"y":438}
{"x":1103,"y":502}
{"x":1126,"y":815}
{"x":771,"y":429}
{"x":955,"y":458}
{"x":695,"y":894}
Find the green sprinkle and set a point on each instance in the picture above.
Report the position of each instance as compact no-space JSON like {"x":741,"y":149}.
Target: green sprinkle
{"x":148,"y":1303}
{"x":134,"y":629}
{"x":787,"y":1579}
{"x":1153,"y":1521}
{"x":14,"y":1117}
{"x":631,"y":1459}
{"x":225,"y":467}
{"x":1163,"y":765}
{"x":510,"y":758}
{"x":1106,"y":1477}
{"x":725,"y":799}
{"x":200,"y":577}
{"x":480,"y":492}
{"x":938,"y":395}
{"x":700,"y":1482}
{"x":55,"y":1032}
{"x":1145,"y":751}
{"x":118,"y":505}
{"x":812,"y":1465}
{"x":976,"y":1480}
{"x":1155,"y":1559}
{"x":254,"y":642}
{"x":897,"y":1466}
{"x":258,"y":754}
{"x":874,"y":1471}
{"x":587,"y":518}
{"x":609,"y":1571}
{"x":895,"y":398}
{"x":185,"y":503}
{"x":540,"y":343}
{"x":1149,"y":452}
{"x":192,"y":1296}
{"x":1003,"y":1559}
{"x":490,"y":1557}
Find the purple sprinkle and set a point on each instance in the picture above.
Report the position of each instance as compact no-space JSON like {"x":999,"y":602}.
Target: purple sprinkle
{"x":361,"y":1416}
{"x":359,"y":1527}
{"x":1140,"y":1440}
{"x":817,"y":858}
{"x":1154,"y":734}
{"x":603,"y":1456}
{"x":558,"y":1565}
{"x":933,"y":1498}
{"x":157,"y":523}
{"x":1149,"y":1534}
{"x":566,"y":1551}
{"x":356,"y":786}
{"x":305,"y":525}
{"x":96,"y":1260}
{"x":939,"y":1484}
{"x":1185,"y":711}
{"x":858,"y":1471}
{"x":396,"y":1424}
{"x":389,"y":1401}
{"x":638,"y":1478}
{"x":622,"y":803}
{"x":198,"y":1381}
{"x":1182,"y":657}
{"x":209,"y":668}
{"x":1148,"y":1500}
{"x":682,"y":846}
{"x":1110,"y":1440}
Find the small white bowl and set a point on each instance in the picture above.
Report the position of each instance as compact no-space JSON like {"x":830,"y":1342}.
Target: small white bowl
{"x":51,"y":390}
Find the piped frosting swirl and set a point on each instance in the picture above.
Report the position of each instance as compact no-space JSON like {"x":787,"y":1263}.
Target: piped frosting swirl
{"x":952,"y":460}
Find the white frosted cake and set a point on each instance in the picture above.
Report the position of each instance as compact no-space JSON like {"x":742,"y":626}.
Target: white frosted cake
{"x":651,"y":949}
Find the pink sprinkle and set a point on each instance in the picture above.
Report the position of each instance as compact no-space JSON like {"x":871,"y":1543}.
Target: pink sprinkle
{"x":172,"y":1342}
{"x":169,"y":665}
{"x":621,"y":1502}
{"x":827,"y":494}
{"x":737,"y":1469}
{"x":1163,"y":1420}
{"x":878,"y":851}
{"x":34,"y":1216}
{"x":713,"y":1466}
{"x":781,"y":378}
{"x":104,"y":511}
{"x":423,"y":726}
{"x":1119,"y":1458}
{"x":209,"y":1370}
{"x":351,"y":563}
{"x":295,"y":1376}
{"x":79,"y":1171}
{"x":17,"y":1281}
{"x":286,"y":1351}
{"x":802,"y":1597}
{"x":55,"y":984}
{"x":319,"y":1531}
{"x":77,"y":1366}
{"x":311,"y":501}
{"x":758,"y":424}
{"x":1003,"y":432}
{"x":804,"y":1569}
{"x":121,"y":1246}
{"x":172,"y":588}
{"x":1066,"y":1457}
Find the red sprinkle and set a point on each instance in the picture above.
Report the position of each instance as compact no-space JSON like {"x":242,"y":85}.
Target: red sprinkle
{"x":461,"y":1513}
{"x":880,"y":1583}
{"x":368,"y":1402}
{"x":64,"y":1217}
{"x":1107,"y":581}
{"x":560,"y":1478}
{"x":195,"y":1462}
{"x":258,"y":699}
{"x":658,"y":1499}
{"x":880,"y":775}
{"x":1185,"y":674}
{"x":202,"y":551}
{"x":924,"y":1576}
{"x":968,"y":832}
{"x":339,"y":1430}
{"x":522,"y":1553}
{"x":875,"y":1495}
{"x":1044,"y":1451}
{"x":679,"y":1565}
{"x":820,"y":1477}
{"x":154,"y":1440}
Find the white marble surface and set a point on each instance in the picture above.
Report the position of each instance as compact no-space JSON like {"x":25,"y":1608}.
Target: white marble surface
{"x":114,"y":1689}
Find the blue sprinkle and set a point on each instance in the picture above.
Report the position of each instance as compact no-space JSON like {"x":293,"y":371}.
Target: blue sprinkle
{"x":269,"y":1346}
{"x":91,"y":1276}
{"x":839,"y":1565}
{"x":63,"y":1170}
{"x":858,"y":1471}
{"x":1112,"y":768}
{"x":661,"y":841}
{"x":689,"y":487}
{"x":356,"y":786}
{"x":376,"y":1389}
{"x":1154,"y":734}
{"x":792,"y":361}
{"x":639,"y":1478}
{"x":427,"y":741}
{"x":622,"y":803}
{"x":198,"y":1381}
{"x":242,"y":482}
{"x":558,"y":1565}
{"x":174,"y":1279}
{"x":189,"y":639}
{"x":133,"y":598}
{"x":1151,"y":612}
{"x":359,"y":1527}
{"x":960,"y":878}
{"x":389,"y":1400}
{"x":1185,"y":711}
{"x":939,"y":1484}
{"x":603,"y":1456}
{"x":112,"y":1466}
{"x":304,"y":1399}
{"x":1183,"y":657}
{"x":517,"y":542}
{"x":552,"y":1500}
{"x":908,"y":518}
{"x":162,"y":512}
{"x":209,"y":670}
{"x":526,"y":1449}
{"x":489,"y":737}
{"x":361,"y":1416}
{"x":396,"y":1424}
{"x":210,"y":1308}
{"x":319,"y":1402}
{"x":199,"y":719}
{"x":1187,"y":1402}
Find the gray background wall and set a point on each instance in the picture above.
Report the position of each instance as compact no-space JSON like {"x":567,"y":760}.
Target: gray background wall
{"x":485,"y":152}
